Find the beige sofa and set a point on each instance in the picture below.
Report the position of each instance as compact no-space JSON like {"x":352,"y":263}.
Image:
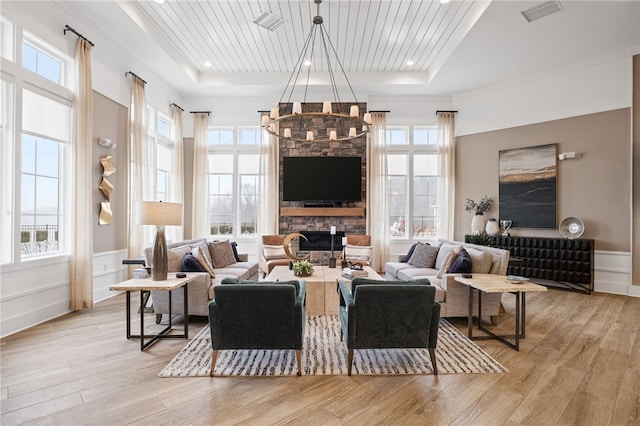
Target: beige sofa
{"x":200,"y":291}
{"x":453,"y":296}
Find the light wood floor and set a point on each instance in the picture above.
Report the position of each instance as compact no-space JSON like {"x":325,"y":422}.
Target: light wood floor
{"x":579,"y":365}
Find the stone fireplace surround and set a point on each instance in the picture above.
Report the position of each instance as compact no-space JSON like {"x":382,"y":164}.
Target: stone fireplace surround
{"x":321,"y":220}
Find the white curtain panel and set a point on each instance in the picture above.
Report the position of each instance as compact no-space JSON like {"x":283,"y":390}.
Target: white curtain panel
{"x":377,"y":199}
{"x":141,"y":169}
{"x":446,"y":175}
{"x":82,"y":209}
{"x":199,"y":223}
{"x":268,"y":186}
{"x":176,"y":233}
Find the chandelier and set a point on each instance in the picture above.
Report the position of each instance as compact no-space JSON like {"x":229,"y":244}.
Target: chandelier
{"x":294,"y":117}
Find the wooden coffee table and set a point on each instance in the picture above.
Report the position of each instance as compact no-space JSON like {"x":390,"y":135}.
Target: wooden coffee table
{"x":322,"y":293}
{"x":490,"y":283}
{"x":145,"y":286}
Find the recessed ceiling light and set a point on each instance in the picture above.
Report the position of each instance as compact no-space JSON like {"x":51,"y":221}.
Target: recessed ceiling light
{"x":410,"y":62}
{"x":207,"y":64}
{"x":541,"y":10}
{"x":444,"y":1}
{"x":159,"y":1}
{"x":307,"y":62}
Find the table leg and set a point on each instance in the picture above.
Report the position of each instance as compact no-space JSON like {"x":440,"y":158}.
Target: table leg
{"x":518,"y":320}
{"x":142,"y":320}
{"x":470,"y":318}
{"x":186,"y":312}
{"x":128,"y":315}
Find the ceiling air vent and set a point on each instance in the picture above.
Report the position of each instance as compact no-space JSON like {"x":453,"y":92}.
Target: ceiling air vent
{"x":269,"y":21}
{"x":542,"y":10}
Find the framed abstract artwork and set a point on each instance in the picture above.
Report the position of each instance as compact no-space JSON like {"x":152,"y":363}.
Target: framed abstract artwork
{"x":527,"y":185}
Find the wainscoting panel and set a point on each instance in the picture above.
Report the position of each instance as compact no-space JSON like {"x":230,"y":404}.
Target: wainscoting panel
{"x":612,"y":273}
{"x":108,"y":270}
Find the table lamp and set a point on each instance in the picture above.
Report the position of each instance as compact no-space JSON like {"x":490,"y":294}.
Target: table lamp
{"x":160,"y":214}
{"x":332,"y":260}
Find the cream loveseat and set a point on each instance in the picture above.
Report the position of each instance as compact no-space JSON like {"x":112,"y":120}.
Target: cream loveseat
{"x":453,"y":296}
{"x":200,"y":291}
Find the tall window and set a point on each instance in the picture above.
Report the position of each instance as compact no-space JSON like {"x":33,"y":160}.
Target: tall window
{"x":43,"y":152}
{"x":35,"y":132}
{"x":412,"y":181}
{"x":233,"y":180}
{"x":160,"y":135}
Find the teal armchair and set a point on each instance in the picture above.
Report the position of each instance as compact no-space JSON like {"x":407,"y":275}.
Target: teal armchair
{"x":257,"y":315}
{"x":381,"y":314}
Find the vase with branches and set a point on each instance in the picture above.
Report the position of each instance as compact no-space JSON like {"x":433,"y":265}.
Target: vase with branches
{"x":479,"y":208}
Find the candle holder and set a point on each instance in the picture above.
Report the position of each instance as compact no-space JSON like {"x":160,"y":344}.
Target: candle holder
{"x":332,"y":260}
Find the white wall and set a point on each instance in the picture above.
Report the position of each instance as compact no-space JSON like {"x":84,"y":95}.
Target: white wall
{"x":601,"y":85}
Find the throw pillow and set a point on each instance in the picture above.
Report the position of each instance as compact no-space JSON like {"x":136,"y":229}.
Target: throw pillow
{"x":191,"y":264}
{"x":424,"y":256}
{"x":446,"y":264}
{"x":273,"y":252}
{"x":174,"y":258}
{"x":409,"y":253}
{"x":202,"y":245}
{"x":221,"y":254}
{"x":357,"y":252}
{"x":480,"y":261}
{"x":442,"y":254}
{"x":462,"y":263}
{"x":234,"y":246}
{"x":199,"y":254}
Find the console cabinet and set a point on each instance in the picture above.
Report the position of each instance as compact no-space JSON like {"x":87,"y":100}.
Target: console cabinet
{"x":559,"y":261}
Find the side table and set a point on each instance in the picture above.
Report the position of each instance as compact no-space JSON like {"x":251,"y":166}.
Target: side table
{"x":145,"y":286}
{"x":490,"y":283}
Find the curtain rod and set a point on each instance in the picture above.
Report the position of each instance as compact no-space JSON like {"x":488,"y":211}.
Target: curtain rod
{"x":200,"y":112}
{"x":135,"y":75}
{"x":177,"y":106}
{"x":379,"y":111}
{"x":68,"y":28}
{"x":439,"y":111}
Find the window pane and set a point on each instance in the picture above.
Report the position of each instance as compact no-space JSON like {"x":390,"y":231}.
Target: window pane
{"x":424,"y":202}
{"x":248,"y":204}
{"x":44,"y":116}
{"x":49,"y":67}
{"x":250,"y":136}
{"x":164,"y":160}
{"x":220,"y":163}
{"x":28,"y":154}
{"x":220,"y":137}
{"x":6,"y":39}
{"x":397,"y":136}
{"x":163,"y":127}
{"x":425,"y":165}
{"x":221,"y":204}
{"x":47,"y":158}
{"x":248,"y":164}
{"x":29,"y":57}
{"x":397,"y":205}
{"x":28,"y":195}
{"x":46,"y":195}
{"x":397,"y":164}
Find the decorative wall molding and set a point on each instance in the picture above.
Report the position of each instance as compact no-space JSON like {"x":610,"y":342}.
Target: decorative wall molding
{"x":108,"y":270}
{"x":612,"y":271}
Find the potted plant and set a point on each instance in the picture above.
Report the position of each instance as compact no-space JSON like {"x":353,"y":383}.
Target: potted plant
{"x":478,"y":222}
{"x":302,"y":268}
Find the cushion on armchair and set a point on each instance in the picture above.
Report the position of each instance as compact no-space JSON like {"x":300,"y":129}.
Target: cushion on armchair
{"x":271,"y":252}
{"x":357,"y":252}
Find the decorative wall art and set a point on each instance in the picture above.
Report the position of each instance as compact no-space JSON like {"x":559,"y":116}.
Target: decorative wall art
{"x":527,"y":184}
{"x":106,"y":187}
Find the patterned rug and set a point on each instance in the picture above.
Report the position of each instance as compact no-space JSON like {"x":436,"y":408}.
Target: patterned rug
{"x":324,"y":354}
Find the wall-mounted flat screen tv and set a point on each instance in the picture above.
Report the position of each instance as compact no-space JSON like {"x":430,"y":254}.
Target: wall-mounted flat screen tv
{"x":321,"y":178}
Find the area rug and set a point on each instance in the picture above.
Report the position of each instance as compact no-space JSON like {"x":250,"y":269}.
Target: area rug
{"x":324,"y":354}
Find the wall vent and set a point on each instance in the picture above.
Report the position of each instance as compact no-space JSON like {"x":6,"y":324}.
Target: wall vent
{"x":542,"y":10}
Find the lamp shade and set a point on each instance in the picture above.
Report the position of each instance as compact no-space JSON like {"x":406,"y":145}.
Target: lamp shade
{"x":159,"y":213}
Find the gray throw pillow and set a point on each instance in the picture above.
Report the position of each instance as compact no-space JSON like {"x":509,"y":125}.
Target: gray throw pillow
{"x":424,"y":256}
